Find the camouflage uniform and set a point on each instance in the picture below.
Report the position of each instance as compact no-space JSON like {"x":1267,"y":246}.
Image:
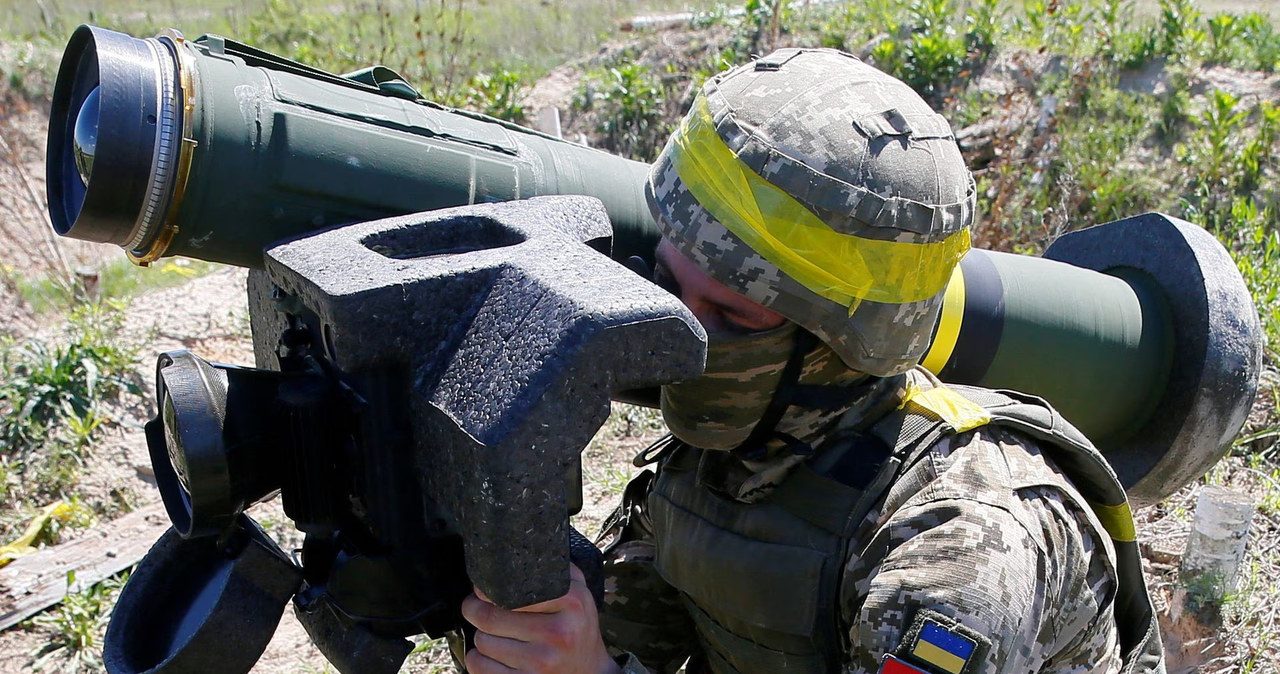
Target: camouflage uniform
{"x":831,"y":193}
{"x":986,"y":532}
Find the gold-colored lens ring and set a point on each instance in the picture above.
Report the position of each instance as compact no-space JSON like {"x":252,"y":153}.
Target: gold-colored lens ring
{"x":186,"y":85}
{"x":163,"y":150}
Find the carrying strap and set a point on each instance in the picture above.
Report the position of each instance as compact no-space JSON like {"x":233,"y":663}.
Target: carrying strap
{"x":926,"y":417}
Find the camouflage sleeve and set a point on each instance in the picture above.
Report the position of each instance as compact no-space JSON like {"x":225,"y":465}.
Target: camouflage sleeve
{"x":643,"y":618}
{"x":1018,"y":570}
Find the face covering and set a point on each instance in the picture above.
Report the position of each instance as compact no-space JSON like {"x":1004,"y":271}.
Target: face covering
{"x":720,"y":409}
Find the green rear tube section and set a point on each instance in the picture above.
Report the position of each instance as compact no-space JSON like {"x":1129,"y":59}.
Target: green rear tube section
{"x":280,"y":150}
{"x":1099,"y":345}
{"x":280,"y":153}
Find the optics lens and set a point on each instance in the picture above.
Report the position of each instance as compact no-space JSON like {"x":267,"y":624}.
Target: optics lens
{"x":173,"y":439}
{"x":85,"y":143}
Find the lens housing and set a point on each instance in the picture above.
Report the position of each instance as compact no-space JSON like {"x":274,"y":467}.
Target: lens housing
{"x":139,"y":137}
{"x":214,"y":444}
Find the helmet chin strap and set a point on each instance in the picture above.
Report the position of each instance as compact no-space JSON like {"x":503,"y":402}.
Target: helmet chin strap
{"x":754,"y":447}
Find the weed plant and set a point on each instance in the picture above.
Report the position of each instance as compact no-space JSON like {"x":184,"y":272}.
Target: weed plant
{"x":626,"y":100}
{"x":115,"y":281}
{"x":498,"y":95}
{"x":51,"y":404}
{"x":75,"y":627}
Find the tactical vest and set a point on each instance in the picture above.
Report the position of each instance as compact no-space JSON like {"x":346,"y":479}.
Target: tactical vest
{"x":737,"y":564}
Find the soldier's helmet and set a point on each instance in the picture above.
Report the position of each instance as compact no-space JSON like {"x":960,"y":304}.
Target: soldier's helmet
{"x":826,"y":190}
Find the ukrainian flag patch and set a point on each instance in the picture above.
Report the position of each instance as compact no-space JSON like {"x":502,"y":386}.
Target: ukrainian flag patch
{"x":942,"y":648}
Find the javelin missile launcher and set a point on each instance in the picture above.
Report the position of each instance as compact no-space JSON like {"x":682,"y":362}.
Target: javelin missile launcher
{"x":425,"y":378}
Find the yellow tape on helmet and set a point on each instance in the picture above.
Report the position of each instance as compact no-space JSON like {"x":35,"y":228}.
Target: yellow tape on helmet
{"x":843,"y":268}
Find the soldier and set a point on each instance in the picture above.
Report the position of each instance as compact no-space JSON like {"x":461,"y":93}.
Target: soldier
{"x":825,"y":505}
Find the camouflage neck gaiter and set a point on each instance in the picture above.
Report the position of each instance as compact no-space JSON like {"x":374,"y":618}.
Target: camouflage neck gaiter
{"x":720,"y":409}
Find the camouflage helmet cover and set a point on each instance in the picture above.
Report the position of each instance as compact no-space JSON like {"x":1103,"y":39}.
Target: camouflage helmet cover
{"x":868,"y":169}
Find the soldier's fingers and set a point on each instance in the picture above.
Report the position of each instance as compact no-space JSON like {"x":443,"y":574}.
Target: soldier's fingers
{"x":500,"y":622}
{"x":479,"y":663}
{"x":519,"y":655}
{"x":571,"y":601}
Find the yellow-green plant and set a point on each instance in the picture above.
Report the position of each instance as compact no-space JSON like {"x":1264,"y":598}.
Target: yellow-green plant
{"x":1262,"y":42}
{"x":1257,"y":253}
{"x":1112,"y":17}
{"x":627,"y":100}
{"x":51,"y":393}
{"x":1222,"y":162}
{"x":1180,"y":35}
{"x":75,"y":627}
{"x":927,"y":53}
{"x":984,"y":21}
{"x":1223,"y":31}
{"x":500,"y":95}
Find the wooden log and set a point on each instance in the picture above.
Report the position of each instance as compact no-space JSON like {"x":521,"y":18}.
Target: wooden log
{"x":33,"y":583}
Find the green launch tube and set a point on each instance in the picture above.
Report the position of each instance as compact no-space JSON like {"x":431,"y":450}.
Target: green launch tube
{"x":1141,"y":332}
{"x":1014,"y":321}
{"x":212,"y":149}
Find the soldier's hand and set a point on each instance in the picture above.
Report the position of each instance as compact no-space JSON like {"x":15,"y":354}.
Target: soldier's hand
{"x":561,"y":636}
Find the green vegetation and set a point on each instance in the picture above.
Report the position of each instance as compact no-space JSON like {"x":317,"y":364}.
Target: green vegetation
{"x":440,"y":45}
{"x":52,"y":406}
{"x":118,"y":280}
{"x":75,"y":627}
{"x":430,"y":656}
{"x":498,"y":95}
{"x":626,"y":101}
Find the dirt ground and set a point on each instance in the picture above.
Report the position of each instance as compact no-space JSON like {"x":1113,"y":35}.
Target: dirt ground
{"x":209,"y":316}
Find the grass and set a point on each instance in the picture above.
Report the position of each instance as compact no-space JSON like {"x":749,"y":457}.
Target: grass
{"x":52,"y":406}
{"x":439,"y":44}
{"x":75,"y":627}
{"x":117,"y":280}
